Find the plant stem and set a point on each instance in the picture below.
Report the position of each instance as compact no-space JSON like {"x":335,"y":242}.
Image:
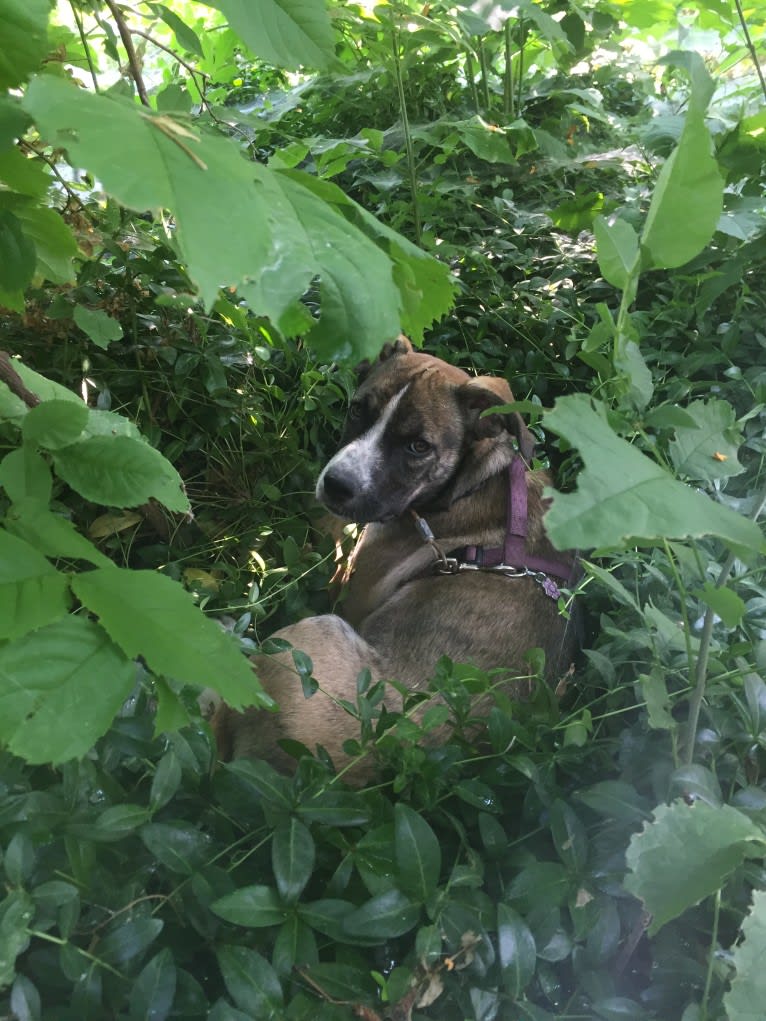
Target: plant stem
{"x":81,"y":30}
{"x":704,"y":651}
{"x":711,"y":956}
{"x":521,"y":65}
{"x":749,"y":44}
{"x":15,"y":383}
{"x":484,"y":75}
{"x":508,"y":97}
{"x":410,"y":151}
{"x":470,"y":74}
{"x":127,"y":42}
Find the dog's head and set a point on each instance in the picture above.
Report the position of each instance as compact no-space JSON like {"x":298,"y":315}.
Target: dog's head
{"x":412,"y":423}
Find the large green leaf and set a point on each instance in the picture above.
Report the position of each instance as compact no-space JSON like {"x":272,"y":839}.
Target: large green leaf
{"x":708,"y":450}
{"x":60,"y":688}
{"x":418,"y":854}
{"x":287,"y":33}
{"x":119,"y":471}
{"x":54,"y":243}
{"x":50,"y":533}
{"x":152,"y":616}
{"x":622,"y":496}
{"x":745,"y":999}
{"x":17,"y":254}
{"x":237,"y":223}
{"x":54,"y":424}
{"x":32,"y":592}
{"x":24,"y":38}
{"x":687,"y":853}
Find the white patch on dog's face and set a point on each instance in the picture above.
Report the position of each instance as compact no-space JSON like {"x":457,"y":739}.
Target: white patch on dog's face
{"x":358,"y":463}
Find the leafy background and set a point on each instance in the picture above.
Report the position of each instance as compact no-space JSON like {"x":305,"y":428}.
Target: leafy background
{"x":207,"y":213}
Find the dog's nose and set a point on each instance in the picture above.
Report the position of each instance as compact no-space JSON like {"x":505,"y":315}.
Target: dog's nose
{"x":336,"y":489}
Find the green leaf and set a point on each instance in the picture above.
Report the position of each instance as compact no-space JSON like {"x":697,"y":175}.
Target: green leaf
{"x":327,"y":916}
{"x":251,"y":982}
{"x":185,"y":36}
{"x":24,"y":175}
{"x":615,"y":799}
{"x":275,"y":789}
{"x":622,"y":496}
{"x":516,"y":951}
{"x":286,"y":33}
{"x":166,"y":780}
{"x":256,"y":907}
{"x":418,"y":854}
{"x":389,"y":914}
{"x":292,"y":858}
{"x":152,"y":616}
{"x":129,"y":939}
{"x":658,"y":705}
{"x":619,"y":256}
{"x":343,"y":982}
{"x":98,"y":325}
{"x":153,"y":991}
{"x":32,"y":592}
{"x":13,"y":122}
{"x":747,"y":995}
{"x":17,"y":254}
{"x":181,"y":848}
{"x":25,"y":40}
{"x":54,"y":424}
{"x":119,"y":471}
{"x":569,"y":836}
{"x":60,"y":688}
{"x":687,"y":853}
{"x":728,"y":605}
{"x":687,"y":200}
{"x":295,"y":945}
{"x":708,"y":450}
{"x":51,"y":534}
{"x":55,"y":246}
{"x":16,"y":914}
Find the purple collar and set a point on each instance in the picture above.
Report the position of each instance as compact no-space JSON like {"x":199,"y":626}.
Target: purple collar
{"x":510,"y":559}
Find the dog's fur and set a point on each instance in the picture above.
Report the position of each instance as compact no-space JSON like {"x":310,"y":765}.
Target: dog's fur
{"x":414,"y":439}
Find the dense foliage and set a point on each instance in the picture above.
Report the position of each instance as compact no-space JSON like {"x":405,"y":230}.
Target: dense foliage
{"x":206,"y":215}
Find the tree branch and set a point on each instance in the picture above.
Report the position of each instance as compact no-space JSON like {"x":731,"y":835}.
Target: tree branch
{"x":14,"y":381}
{"x":127,"y":42}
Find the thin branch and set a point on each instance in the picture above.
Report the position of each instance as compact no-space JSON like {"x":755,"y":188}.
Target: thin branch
{"x":127,"y":42}
{"x":14,"y":381}
{"x":749,"y":44}
{"x":193,"y":71}
{"x":84,"y":41}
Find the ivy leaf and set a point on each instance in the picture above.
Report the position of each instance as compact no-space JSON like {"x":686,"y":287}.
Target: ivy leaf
{"x":150,"y":615}
{"x":747,"y":995}
{"x":98,"y":325}
{"x":623,"y":497}
{"x":32,"y":591}
{"x":287,"y":33}
{"x":60,"y":688}
{"x":418,"y":854}
{"x":25,"y":40}
{"x":707,"y":450}
{"x":687,"y":853}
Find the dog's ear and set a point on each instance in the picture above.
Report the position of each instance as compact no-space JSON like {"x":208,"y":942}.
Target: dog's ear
{"x":486,"y":392}
{"x":401,"y":346}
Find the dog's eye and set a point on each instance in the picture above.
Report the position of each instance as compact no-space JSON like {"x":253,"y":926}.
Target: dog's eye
{"x":355,"y":412}
{"x":418,"y":447}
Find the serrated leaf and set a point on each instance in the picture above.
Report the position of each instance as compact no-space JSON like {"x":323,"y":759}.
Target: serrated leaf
{"x":253,"y":906}
{"x":154,"y":989}
{"x":516,"y":951}
{"x":708,"y":450}
{"x":25,"y":40}
{"x":622,"y":496}
{"x":98,"y":325}
{"x":54,"y":424}
{"x":32,"y":591}
{"x":60,"y":689}
{"x":50,"y":533}
{"x":251,"y":982}
{"x":286,"y":33}
{"x":292,"y":858}
{"x":418,"y":853}
{"x":119,"y":471}
{"x":745,"y":999}
{"x":687,"y":853}
{"x":150,"y":615}
{"x":389,"y":914}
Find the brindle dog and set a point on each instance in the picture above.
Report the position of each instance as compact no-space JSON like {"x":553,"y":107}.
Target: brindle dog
{"x":415,"y":440}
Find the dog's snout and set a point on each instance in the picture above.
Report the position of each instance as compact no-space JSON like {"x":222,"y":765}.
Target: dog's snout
{"x":337,"y":489}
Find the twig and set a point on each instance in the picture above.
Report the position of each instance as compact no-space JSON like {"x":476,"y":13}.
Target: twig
{"x":78,"y":19}
{"x":749,"y":44}
{"x":409,"y":148}
{"x":127,"y":42}
{"x":704,"y":651}
{"x":14,"y":381}
{"x":192,"y":70}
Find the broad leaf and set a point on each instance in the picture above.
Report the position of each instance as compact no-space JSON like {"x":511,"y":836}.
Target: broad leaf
{"x":619,"y":258}
{"x":98,"y":325}
{"x":745,"y":1000}
{"x":253,"y":906}
{"x":17,"y":254}
{"x":152,"y":616}
{"x":60,"y":688}
{"x":54,"y":424}
{"x":119,"y":471}
{"x":286,"y":33}
{"x":181,"y":848}
{"x":50,"y":533}
{"x":385,"y":916}
{"x":292,"y":858}
{"x":153,"y":991}
{"x":707,"y":450}
{"x":687,"y":853}
{"x":418,"y":854}
{"x":251,"y":982}
{"x":25,"y":41}
{"x":623,"y":497}
{"x":32,"y":591}
{"x":54,"y":243}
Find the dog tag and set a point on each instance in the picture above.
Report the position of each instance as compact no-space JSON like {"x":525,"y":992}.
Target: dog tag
{"x":550,"y":588}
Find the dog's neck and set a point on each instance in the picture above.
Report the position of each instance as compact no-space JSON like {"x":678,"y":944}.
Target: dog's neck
{"x":483,"y":460}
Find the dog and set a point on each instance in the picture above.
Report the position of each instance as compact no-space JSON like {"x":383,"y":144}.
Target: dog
{"x":453,"y":560}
